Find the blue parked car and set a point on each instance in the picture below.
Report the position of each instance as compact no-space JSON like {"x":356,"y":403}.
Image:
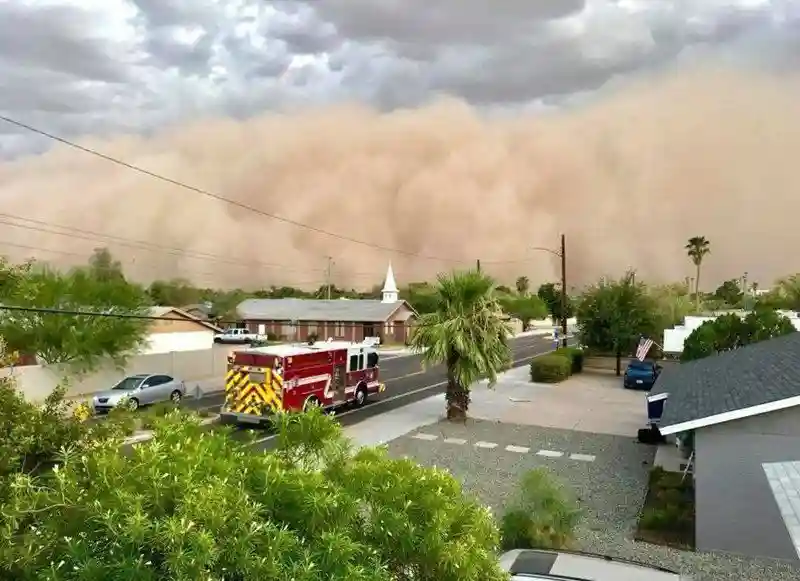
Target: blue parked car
{"x":641,"y":374}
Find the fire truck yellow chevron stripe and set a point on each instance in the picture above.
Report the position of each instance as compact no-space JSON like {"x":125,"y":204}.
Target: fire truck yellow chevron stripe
{"x":244,"y":396}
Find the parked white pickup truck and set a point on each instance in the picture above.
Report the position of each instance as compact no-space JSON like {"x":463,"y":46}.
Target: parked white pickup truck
{"x":238,"y":336}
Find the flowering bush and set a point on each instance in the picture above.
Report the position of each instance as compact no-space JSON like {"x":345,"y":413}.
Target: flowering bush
{"x":192,"y":505}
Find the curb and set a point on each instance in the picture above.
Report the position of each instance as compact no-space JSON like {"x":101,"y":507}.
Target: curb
{"x":145,"y":435}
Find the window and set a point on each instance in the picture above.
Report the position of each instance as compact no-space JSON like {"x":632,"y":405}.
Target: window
{"x":354,"y":363}
{"x":157,"y":380}
{"x":129,"y":383}
{"x":339,"y":332}
{"x":372,"y":360}
{"x":361,"y":361}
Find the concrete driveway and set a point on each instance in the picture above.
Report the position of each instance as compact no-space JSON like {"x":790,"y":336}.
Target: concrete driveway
{"x":587,"y":402}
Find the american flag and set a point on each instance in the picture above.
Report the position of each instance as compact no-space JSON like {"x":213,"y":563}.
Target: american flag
{"x":643,"y":348}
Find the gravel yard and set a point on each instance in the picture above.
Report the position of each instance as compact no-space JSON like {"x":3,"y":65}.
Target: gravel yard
{"x":607,"y":473}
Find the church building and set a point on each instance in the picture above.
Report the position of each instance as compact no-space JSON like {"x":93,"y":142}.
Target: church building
{"x":389,"y":319}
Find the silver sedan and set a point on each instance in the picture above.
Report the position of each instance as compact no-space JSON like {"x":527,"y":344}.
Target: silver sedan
{"x":139,"y":390}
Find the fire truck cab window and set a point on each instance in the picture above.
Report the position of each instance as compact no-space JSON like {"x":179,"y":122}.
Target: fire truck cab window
{"x":372,"y":360}
{"x":354,"y":363}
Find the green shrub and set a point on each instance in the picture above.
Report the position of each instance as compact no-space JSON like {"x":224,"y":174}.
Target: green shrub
{"x":575,"y":356}
{"x":670,"y":505}
{"x":191,"y":504}
{"x":543,"y":516}
{"x":550,"y":368}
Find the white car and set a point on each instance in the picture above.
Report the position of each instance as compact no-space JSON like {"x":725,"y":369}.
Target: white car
{"x":542,"y":565}
{"x":242,"y":336}
{"x":140,"y":390}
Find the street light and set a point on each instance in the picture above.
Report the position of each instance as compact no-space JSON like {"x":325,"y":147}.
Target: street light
{"x":562,"y":254}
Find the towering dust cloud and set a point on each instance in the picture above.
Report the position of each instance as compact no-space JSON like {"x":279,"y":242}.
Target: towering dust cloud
{"x":627,"y":179}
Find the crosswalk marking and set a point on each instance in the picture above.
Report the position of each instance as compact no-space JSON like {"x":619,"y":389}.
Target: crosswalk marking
{"x":428,"y":437}
{"x":508,"y":448}
{"x":518,"y":449}
{"x":549,"y":453}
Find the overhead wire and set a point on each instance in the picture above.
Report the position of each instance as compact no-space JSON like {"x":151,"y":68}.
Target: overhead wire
{"x":236,"y":203}
{"x":92,"y":236}
{"x":155,"y":270}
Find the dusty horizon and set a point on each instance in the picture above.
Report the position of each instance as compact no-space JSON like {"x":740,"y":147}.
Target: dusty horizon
{"x":628,"y":179}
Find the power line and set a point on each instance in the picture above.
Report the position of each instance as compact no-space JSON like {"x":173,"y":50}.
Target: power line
{"x":318,"y":283}
{"x":91,"y":236}
{"x":141,"y":245}
{"x":219,"y":197}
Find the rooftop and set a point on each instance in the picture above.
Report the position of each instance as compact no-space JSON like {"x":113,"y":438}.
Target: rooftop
{"x":752,"y":380}
{"x":356,"y":310}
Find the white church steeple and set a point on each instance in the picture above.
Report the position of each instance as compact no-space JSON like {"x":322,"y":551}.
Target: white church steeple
{"x":390,"y":290}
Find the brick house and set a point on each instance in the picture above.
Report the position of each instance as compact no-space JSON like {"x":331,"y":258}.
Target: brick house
{"x":390,"y":318}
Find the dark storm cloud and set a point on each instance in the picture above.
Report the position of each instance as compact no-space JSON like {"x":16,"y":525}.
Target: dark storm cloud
{"x":136,"y":64}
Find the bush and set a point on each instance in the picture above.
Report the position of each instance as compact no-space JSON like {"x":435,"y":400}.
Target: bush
{"x":191,"y":504}
{"x":575,"y":355}
{"x":550,"y":368}
{"x":670,"y":506}
{"x":543,"y":516}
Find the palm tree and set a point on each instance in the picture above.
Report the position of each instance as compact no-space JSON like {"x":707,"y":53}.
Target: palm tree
{"x":523,"y":285}
{"x":697,"y":248}
{"x":466,"y":332}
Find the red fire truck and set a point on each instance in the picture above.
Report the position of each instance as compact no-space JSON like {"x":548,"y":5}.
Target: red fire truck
{"x":265,"y":380}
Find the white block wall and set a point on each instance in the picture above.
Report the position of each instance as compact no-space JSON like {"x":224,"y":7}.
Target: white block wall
{"x":186,"y":341}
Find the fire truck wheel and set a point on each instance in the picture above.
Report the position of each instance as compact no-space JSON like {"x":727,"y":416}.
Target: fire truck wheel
{"x":361,"y":396}
{"x":310,"y":403}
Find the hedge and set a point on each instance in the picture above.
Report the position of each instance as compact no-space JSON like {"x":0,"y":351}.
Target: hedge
{"x":550,"y":368}
{"x":575,"y":355}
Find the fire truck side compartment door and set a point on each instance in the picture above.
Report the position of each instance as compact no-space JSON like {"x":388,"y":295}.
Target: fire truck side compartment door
{"x":339,"y":375}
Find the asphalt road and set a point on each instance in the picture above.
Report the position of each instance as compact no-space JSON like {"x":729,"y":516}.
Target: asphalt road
{"x":406,"y":383}
{"x":402,"y":375}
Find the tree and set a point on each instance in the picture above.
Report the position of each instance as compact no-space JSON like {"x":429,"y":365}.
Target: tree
{"x":177,"y":292}
{"x":104,"y":267}
{"x":191,"y":505}
{"x":525,"y":308}
{"x":785,"y":294}
{"x":466,"y":333}
{"x":80,"y":340}
{"x":613,"y":316}
{"x":672,"y":303}
{"x":421,"y":296}
{"x":523,"y":285}
{"x":730,"y":293}
{"x":697,"y":248}
{"x":731,"y":331}
{"x":551,"y":295}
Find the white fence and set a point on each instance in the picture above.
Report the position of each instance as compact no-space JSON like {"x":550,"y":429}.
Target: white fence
{"x":37,"y":381}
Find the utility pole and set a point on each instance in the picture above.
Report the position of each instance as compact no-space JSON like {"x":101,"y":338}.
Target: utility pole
{"x":744,"y":291}
{"x":478,"y":264}
{"x":328,"y":276}
{"x":563,"y":254}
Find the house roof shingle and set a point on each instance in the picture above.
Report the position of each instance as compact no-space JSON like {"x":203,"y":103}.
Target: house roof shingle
{"x":722,"y":387}
{"x":355,"y":311}
{"x":170,"y":312}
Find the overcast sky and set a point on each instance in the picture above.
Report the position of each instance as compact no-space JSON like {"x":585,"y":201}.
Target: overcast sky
{"x":101,"y":66}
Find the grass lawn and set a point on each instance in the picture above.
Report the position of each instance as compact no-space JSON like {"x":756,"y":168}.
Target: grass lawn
{"x":667,"y":517}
